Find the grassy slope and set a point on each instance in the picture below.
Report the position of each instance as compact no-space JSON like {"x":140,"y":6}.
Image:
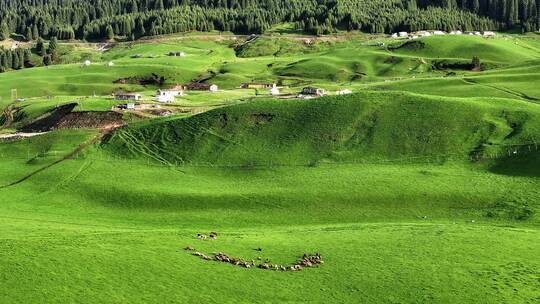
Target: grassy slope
{"x":109,"y":226}
{"x":372,"y":223}
{"x":368,"y":126}
{"x":332,"y":64}
{"x":73,"y":80}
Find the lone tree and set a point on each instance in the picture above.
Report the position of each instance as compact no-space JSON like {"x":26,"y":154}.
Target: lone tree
{"x":476,"y":63}
{"x":28,"y":34}
{"x":110,"y":32}
{"x":51,"y":51}
{"x":40,"y":48}
{"x":53,"y":46}
{"x":47,"y":60}
{"x":4,"y":31}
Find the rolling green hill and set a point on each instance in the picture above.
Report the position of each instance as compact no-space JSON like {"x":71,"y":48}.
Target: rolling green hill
{"x":503,"y":51}
{"x":421,"y":187}
{"x":369,"y":126}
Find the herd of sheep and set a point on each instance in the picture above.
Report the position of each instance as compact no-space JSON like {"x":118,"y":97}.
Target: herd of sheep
{"x":307,"y":260}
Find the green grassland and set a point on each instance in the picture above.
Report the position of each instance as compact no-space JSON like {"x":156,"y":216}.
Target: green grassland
{"x":422,"y":187}
{"x":334,"y":64}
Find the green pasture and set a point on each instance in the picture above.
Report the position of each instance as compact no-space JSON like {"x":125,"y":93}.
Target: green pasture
{"x":421,"y":187}
{"x":332,"y":64}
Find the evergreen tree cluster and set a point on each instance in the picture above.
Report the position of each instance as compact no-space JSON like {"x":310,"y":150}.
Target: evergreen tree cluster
{"x":107,"y":19}
{"x":14,"y":59}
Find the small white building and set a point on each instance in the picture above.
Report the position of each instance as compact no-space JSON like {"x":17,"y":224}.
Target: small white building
{"x":168,"y":95}
{"x":403,"y":34}
{"x":198,"y":86}
{"x":438,"y":33}
{"x":344,"y":92}
{"x":274,"y":91}
{"x":489,"y":34}
{"x":127,"y":96}
{"x":313,"y":91}
{"x":130,"y":106}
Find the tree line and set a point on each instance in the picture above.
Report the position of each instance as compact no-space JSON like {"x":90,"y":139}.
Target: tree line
{"x":131,"y":19}
{"x":20,"y":58}
{"x":14,"y":59}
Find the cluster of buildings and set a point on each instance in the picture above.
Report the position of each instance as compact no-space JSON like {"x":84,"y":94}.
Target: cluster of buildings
{"x":420,"y":34}
{"x":306,"y":93}
{"x":274,"y":90}
{"x":170,"y":94}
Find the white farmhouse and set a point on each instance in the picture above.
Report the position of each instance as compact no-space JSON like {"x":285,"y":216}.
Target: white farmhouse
{"x":168,"y":95}
{"x":274,"y":91}
{"x":344,"y":92}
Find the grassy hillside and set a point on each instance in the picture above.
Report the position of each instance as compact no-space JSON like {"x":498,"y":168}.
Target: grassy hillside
{"x":333,"y":63}
{"x":368,"y":126}
{"x":421,"y":187}
{"x":506,"y":50}
{"x":97,"y":220}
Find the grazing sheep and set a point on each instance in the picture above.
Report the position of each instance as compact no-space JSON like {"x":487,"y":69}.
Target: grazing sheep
{"x":307,"y":260}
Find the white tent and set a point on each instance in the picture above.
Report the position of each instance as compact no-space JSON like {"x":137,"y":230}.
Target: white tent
{"x":344,"y":92}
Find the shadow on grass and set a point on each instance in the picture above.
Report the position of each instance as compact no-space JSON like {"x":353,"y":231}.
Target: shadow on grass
{"x":523,"y":165}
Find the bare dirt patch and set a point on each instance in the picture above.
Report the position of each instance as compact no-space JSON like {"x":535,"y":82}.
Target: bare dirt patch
{"x":64,"y":118}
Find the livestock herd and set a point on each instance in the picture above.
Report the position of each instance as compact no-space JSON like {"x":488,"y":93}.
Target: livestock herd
{"x":306,"y":261}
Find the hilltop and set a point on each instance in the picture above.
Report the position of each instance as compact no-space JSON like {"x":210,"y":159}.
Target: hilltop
{"x":364,"y":127}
